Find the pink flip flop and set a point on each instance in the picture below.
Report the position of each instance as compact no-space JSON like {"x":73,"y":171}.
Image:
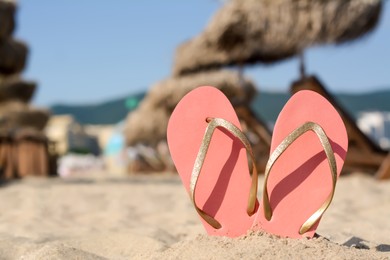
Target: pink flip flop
{"x":209,"y":152}
{"x":308,"y":149}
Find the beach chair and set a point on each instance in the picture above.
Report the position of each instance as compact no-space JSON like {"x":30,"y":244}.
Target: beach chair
{"x":7,"y":163}
{"x":384,"y":170}
{"x":257,"y":132}
{"x":363,"y":153}
{"x":32,"y":153}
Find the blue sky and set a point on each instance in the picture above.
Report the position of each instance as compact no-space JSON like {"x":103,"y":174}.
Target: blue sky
{"x":90,"y":51}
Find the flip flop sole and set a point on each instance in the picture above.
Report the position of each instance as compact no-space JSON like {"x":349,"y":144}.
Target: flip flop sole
{"x":301,"y":180}
{"x":224,"y":182}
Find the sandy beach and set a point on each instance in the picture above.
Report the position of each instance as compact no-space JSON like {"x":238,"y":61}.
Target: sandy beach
{"x":150,"y":217}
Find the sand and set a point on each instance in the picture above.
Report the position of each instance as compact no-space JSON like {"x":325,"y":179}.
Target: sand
{"x":150,"y":217}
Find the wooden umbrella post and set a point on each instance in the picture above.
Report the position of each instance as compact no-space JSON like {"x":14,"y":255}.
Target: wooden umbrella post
{"x":302,"y":68}
{"x":22,"y":151}
{"x":43,"y":161}
{"x":23,"y":155}
{"x":6,"y":158}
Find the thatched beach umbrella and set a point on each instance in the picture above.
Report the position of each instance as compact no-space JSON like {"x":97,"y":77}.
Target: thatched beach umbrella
{"x":13,"y":88}
{"x":36,"y":118}
{"x":251,"y":31}
{"x":15,"y":114}
{"x":7,"y":18}
{"x":148,"y":123}
{"x":13,"y":56}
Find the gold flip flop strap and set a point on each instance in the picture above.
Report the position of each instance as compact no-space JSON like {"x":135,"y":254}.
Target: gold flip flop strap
{"x":308,"y":126}
{"x":213,"y":123}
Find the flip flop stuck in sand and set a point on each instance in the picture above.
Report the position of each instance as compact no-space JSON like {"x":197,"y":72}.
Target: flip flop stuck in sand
{"x":308,"y":148}
{"x":210,"y":154}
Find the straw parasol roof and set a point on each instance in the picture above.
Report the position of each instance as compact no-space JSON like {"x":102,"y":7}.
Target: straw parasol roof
{"x":14,"y":88}
{"x":250,"y":31}
{"x":7,"y":18}
{"x":13,"y":55}
{"x":148,"y":124}
{"x":15,"y":114}
{"x":29,"y":133}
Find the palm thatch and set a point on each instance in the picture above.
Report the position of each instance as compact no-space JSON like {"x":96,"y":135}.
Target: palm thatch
{"x":148,"y":124}
{"x":15,"y":114}
{"x":250,"y":31}
{"x":34,"y":118}
{"x":13,"y":55}
{"x":7,"y":18}
{"x":12,"y":105}
{"x":13,"y":88}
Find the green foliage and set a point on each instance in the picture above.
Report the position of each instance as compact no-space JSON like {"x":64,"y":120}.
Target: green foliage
{"x":79,"y":151}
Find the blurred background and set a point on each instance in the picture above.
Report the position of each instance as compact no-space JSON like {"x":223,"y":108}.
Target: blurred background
{"x":87,"y":87}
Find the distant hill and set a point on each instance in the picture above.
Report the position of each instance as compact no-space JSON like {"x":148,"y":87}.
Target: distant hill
{"x":108,"y":112}
{"x":266,"y":104}
{"x":355,"y":103}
